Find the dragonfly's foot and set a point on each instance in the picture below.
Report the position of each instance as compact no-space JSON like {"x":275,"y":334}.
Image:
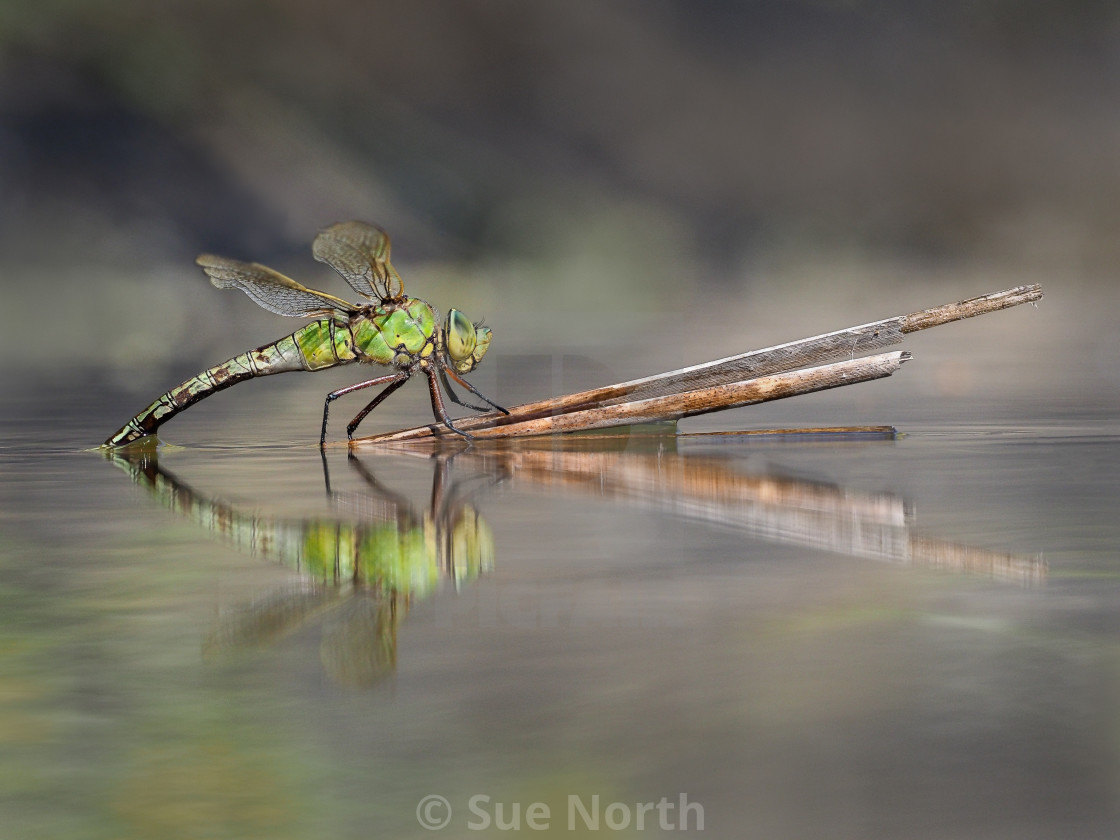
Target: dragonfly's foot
{"x":465,"y":435}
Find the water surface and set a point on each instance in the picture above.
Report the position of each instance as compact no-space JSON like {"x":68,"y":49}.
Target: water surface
{"x":909,"y":635}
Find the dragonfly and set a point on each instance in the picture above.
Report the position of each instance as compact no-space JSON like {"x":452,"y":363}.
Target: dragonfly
{"x":392,"y":330}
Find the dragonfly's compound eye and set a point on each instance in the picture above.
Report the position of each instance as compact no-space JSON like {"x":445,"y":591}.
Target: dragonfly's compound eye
{"x":482,"y":343}
{"x":461,"y":337}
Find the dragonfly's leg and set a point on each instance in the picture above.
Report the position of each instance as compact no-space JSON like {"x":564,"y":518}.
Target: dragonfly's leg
{"x":341,"y":392}
{"x":376,"y":401}
{"x":399,"y":505}
{"x":437,"y":403}
{"x":472,"y":389}
{"x":451,"y":395}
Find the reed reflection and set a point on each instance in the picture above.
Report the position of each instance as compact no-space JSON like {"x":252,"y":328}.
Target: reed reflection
{"x":678,"y":474}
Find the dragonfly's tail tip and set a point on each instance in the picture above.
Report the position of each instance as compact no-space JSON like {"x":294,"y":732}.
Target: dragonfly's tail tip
{"x":130,"y":442}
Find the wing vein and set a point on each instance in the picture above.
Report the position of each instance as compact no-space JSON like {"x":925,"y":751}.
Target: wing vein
{"x":359,"y":252}
{"x":270,"y":289}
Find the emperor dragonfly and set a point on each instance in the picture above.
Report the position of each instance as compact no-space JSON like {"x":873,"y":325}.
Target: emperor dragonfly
{"x":399,"y":332}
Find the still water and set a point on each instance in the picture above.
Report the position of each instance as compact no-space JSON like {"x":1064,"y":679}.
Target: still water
{"x":875,"y":635}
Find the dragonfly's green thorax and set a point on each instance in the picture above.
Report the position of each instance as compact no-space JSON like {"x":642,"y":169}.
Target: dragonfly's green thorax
{"x":396,"y":334}
{"x":392,"y":334}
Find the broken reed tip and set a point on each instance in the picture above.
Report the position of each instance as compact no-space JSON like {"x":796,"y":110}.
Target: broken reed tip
{"x":971,"y":308}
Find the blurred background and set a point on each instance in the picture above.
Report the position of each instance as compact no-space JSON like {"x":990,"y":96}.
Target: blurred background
{"x":626,"y":186}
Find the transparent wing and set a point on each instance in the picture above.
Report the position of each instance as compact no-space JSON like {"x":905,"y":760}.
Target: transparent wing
{"x":360,"y":253}
{"x":270,"y":289}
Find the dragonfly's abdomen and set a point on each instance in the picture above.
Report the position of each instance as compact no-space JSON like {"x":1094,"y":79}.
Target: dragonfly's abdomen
{"x":324,"y":344}
{"x":320,"y":344}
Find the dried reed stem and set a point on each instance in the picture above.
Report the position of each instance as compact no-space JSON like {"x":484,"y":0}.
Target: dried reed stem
{"x":770,"y":373}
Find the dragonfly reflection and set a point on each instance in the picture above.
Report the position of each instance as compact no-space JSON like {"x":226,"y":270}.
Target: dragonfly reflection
{"x":361,"y":569}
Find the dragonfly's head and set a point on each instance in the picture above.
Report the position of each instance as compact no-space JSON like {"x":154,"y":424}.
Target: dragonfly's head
{"x":465,"y":342}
